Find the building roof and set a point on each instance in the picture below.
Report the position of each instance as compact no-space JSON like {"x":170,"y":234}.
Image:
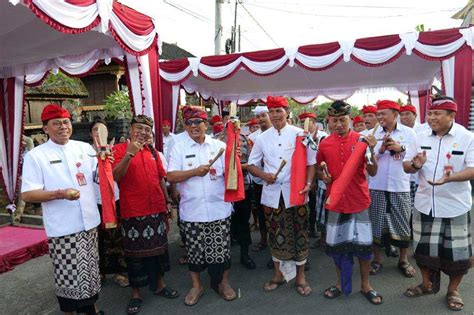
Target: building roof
{"x":59,"y":85}
{"x":173,"y":51}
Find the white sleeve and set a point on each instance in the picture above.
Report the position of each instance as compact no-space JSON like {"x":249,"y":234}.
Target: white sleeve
{"x":411,"y":149}
{"x":256,"y":155}
{"x":32,"y":175}
{"x":470,"y":152}
{"x":163,"y":160}
{"x":310,"y":156}
{"x":174,"y":162}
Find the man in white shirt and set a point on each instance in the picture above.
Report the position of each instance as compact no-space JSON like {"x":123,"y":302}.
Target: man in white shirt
{"x":263,"y":120}
{"x":390,"y":209}
{"x":288,"y":224}
{"x":58,"y":174}
{"x":167,"y":136}
{"x":443,"y":158}
{"x":204,"y":215}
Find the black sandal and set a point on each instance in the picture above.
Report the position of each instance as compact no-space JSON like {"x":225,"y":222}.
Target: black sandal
{"x":134,"y":306}
{"x":168,"y":293}
{"x":334,"y":292}
{"x":371,"y":296}
{"x":435,"y":278}
{"x":375,"y":268}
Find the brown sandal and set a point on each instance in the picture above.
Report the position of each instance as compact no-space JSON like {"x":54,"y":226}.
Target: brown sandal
{"x":266,"y":286}
{"x":193,"y":296}
{"x":226,"y":292}
{"x":417,"y":291}
{"x":407,"y":269}
{"x":454,"y":300}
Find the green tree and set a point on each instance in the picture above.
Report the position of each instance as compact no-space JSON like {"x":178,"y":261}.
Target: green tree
{"x":117,"y":105}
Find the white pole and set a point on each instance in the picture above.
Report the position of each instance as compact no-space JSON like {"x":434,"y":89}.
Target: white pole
{"x":218,"y":28}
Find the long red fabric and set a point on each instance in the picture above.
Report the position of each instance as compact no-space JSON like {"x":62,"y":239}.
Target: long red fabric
{"x":462,"y":85}
{"x":298,"y":173}
{"x":107,"y":193}
{"x":233,"y":141}
{"x":19,"y":244}
{"x":154,"y":67}
{"x":339,"y":187}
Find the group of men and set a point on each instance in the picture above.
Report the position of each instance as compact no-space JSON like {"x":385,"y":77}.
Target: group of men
{"x":375,"y":209}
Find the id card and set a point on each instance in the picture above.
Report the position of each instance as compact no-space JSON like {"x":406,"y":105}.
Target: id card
{"x":213,"y":173}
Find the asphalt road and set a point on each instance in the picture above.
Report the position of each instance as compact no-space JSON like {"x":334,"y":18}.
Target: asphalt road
{"x":29,"y":289}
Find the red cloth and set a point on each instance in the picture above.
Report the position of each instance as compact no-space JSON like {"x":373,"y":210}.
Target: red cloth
{"x":193,"y":112}
{"x":166,"y":122}
{"x":443,"y":104}
{"x":408,"y":108}
{"x":53,"y":111}
{"x":276,"y":101}
{"x":336,"y":152}
{"x":233,"y":141}
{"x":307,"y":115}
{"x":369,"y":109}
{"x":357,"y":120}
{"x":107,"y":193}
{"x":252,"y":122}
{"x":140,"y":191}
{"x":217,"y":128}
{"x":387,"y":104}
{"x":298,"y":173}
{"x":215,"y":119}
{"x":19,"y":244}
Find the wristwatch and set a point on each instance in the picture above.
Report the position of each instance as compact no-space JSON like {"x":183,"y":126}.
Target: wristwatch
{"x":403,"y":149}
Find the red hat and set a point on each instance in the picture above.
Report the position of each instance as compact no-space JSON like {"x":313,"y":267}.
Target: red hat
{"x":387,"y":104}
{"x":217,"y":128}
{"x":193,"y":112}
{"x":252,"y":122}
{"x":408,"y":108}
{"x":445,"y":104}
{"x":369,"y":109}
{"x":53,"y":111}
{"x":307,"y":115}
{"x":166,"y":122}
{"x":215,"y":118}
{"x":276,"y":101}
{"x":356,"y":120}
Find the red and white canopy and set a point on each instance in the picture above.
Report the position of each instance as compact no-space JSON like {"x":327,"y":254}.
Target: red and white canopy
{"x":75,"y":36}
{"x":407,"y":62}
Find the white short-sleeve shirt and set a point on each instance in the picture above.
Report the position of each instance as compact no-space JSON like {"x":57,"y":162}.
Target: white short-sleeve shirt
{"x":50,"y":167}
{"x":271,"y":147}
{"x":390,"y":175}
{"x":202,"y":199}
{"x":451,"y":199}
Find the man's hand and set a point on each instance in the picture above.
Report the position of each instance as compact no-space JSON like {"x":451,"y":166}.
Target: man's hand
{"x":201,"y":170}
{"x":306,"y":189}
{"x":269,"y":178}
{"x":371,"y":141}
{"x":133,"y":146}
{"x":393,"y":145}
{"x":70,"y":194}
{"x":443,"y":180}
{"x":383,"y":147}
{"x":175,"y":196}
{"x":419,"y":159}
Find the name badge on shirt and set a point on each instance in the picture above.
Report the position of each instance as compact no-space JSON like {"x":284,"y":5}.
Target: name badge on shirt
{"x":425,"y":147}
{"x":213,"y":173}
{"x":190,"y":156}
{"x":55,"y":162}
{"x":81,"y":178}
{"x":457,"y":152}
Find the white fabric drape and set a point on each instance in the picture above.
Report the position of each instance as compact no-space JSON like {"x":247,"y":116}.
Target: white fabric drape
{"x":132,"y":40}
{"x":175,"y":99}
{"x":415,"y":101}
{"x":67,"y":14}
{"x":448,"y":76}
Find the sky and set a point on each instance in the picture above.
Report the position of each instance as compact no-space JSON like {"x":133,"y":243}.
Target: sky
{"x":267,"y":24}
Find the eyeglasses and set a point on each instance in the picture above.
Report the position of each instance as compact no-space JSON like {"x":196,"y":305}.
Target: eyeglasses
{"x":194,"y":122}
{"x":59,"y":123}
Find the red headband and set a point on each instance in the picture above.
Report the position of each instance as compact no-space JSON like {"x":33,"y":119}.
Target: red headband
{"x":408,"y":108}
{"x":193,"y":112}
{"x":387,"y":104}
{"x":217,"y":128}
{"x":276,"y":101}
{"x":356,"y":120}
{"x":53,"y":111}
{"x":252,"y":122}
{"x":166,"y":123}
{"x":307,"y":115}
{"x":369,"y":109}
{"x":443,"y":104}
{"x":215,"y":118}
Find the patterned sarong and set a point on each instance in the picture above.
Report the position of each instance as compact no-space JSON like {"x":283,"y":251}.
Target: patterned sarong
{"x":76,"y":265}
{"x":288,"y":231}
{"x":390,"y":215}
{"x":443,"y":243}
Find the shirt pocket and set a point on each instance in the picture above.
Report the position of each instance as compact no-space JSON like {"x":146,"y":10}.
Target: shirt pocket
{"x":190,"y":161}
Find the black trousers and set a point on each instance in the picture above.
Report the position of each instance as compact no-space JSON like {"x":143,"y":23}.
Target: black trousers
{"x":257,"y":194}
{"x":239,"y":227}
{"x":312,"y":211}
